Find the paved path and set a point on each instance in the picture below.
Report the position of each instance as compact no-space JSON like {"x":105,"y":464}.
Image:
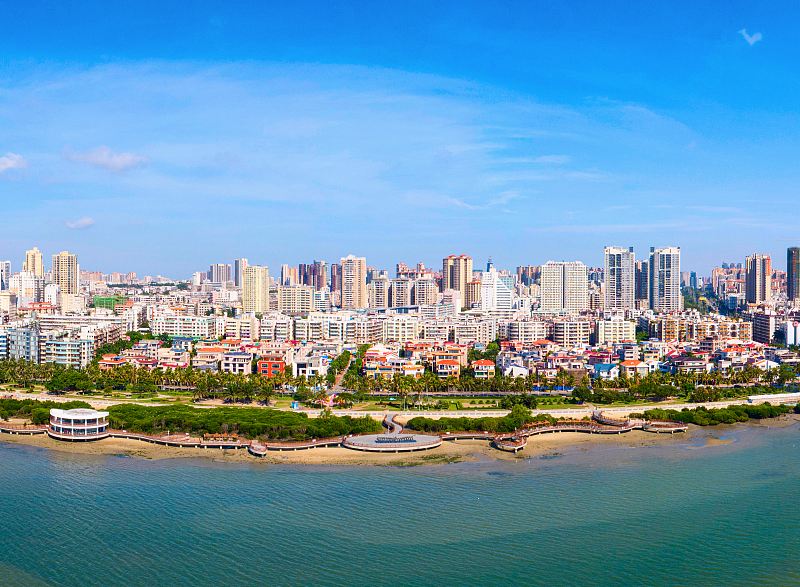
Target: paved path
{"x":337,"y":384}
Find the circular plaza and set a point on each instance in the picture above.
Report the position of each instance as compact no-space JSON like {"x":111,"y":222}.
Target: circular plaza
{"x":392,"y":443}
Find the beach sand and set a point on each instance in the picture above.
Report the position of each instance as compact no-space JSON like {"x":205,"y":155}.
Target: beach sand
{"x":451,"y":451}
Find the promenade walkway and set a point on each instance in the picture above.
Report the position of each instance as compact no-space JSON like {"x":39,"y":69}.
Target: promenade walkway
{"x":601,"y":423}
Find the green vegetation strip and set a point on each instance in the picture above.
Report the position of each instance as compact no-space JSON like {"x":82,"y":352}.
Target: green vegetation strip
{"x":518,"y":417}
{"x":711,"y":417}
{"x":248,"y":422}
{"x":37,"y":412}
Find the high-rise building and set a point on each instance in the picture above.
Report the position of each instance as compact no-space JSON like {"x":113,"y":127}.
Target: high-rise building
{"x":664,"y":279}
{"x":426,"y":293}
{"x":620,"y":278}
{"x":66,"y":272}
{"x":255,"y":289}
{"x":472,"y":296}
{"x":495,"y":294}
{"x":793,"y":274}
{"x":642,"y":281}
{"x":5,"y":274}
{"x":219,"y":273}
{"x":26,"y":287}
{"x":400,"y":292}
{"x":295,"y":299}
{"x":456,"y":273}
{"x":378,"y":292}
{"x":315,"y":274}
{"x":289,"y":275}
{"x":564,"y":286}
{"x":354,"y":282}
{"x":238,"y":271}
{"x":33,"y":262}
{"x":336,"y":278}
{"x":528,"y":274}
{"x":758,"y":278}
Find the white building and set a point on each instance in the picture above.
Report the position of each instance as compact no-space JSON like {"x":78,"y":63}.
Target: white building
{"x":296,"y":299}
{"x":354,"y":282}
{"x":189,"y":326}
{"x":425,"y":292}
{"x":613,"y":330}
{"x":77,"y":424}
{"x":400,"y":292}
{"x":378,"y":293}
{"x":564,"y":287}
{"x":495,"y":294}
{"x":665,"y":279}
{"x":255,"y":289}
{"x":620,"y":275}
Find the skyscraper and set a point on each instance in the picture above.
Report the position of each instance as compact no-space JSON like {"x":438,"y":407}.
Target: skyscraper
{"x":5,"y":274}
{"x":642,"y":281}
{"x":456,"y":273}
{"x":314,"y":274}
{"x":354,"y":282}
{"x":65,"y":272}
{"x":620,"y":277}
{"x":495,"y":295}
{"x":664,"y":279}
{"x":758,"y":278}
{"x":336,"y":277}
{"x":400,"y":292}
{"x":33,"y":262}
{"x":219,"y":273}
{"x":238,"y":271}
{"x":793,"y":274}
{"x":564,"y":286}
{"x":288,"y":275}
{"x":425,"y":291}
{"x":378,"y":292}
{"x":255,"y":289}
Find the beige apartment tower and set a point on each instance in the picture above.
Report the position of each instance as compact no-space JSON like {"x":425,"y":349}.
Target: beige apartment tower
{"x":33,"y":262}
{"x":354,"y":283}
{"x":66,"y":273}
{"x":456,"y":274}
{"x":255,"y":289}
{"x":758,"y":278}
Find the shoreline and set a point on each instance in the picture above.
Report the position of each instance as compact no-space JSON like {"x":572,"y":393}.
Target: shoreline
{"x":448,"y":452}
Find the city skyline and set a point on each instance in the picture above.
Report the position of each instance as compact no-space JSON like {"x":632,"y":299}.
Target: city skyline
{"x":478,"y":130}
{"x":217,"y":267}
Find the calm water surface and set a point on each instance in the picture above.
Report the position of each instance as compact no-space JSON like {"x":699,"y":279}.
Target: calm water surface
{"x":682,"y":514}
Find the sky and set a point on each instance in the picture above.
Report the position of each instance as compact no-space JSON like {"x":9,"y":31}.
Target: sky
{"x":160,"y":137}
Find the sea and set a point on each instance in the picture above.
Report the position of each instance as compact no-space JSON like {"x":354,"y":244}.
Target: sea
{"x":719,"y":507}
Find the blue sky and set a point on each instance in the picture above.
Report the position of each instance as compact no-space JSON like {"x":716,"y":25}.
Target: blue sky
{"x":157,"y":138}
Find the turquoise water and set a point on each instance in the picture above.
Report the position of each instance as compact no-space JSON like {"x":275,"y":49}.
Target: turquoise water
{"x":682,"y":513}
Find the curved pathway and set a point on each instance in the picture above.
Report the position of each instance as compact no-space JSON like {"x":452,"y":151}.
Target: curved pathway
{"x":600,"y":424}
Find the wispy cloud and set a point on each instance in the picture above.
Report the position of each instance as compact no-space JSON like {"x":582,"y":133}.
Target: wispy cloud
{"x":751,"y":39}
{"x":105,"y":158}
{"x":80,"y":223}
{"x":311,"y":142}
{"x":552,"y":159}
{"x":12,"y":161}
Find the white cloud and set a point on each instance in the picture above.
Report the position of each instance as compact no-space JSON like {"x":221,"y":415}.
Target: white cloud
{"x":751,"y":39}
{"x":80,"y":223}
{"x":552,"y":159}
{"x":105,"y":158}
{"x":12,"y":161}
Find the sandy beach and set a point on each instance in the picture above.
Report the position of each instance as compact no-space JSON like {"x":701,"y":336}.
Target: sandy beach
{"x":459,"y":451}
{"x":451,"y":451}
